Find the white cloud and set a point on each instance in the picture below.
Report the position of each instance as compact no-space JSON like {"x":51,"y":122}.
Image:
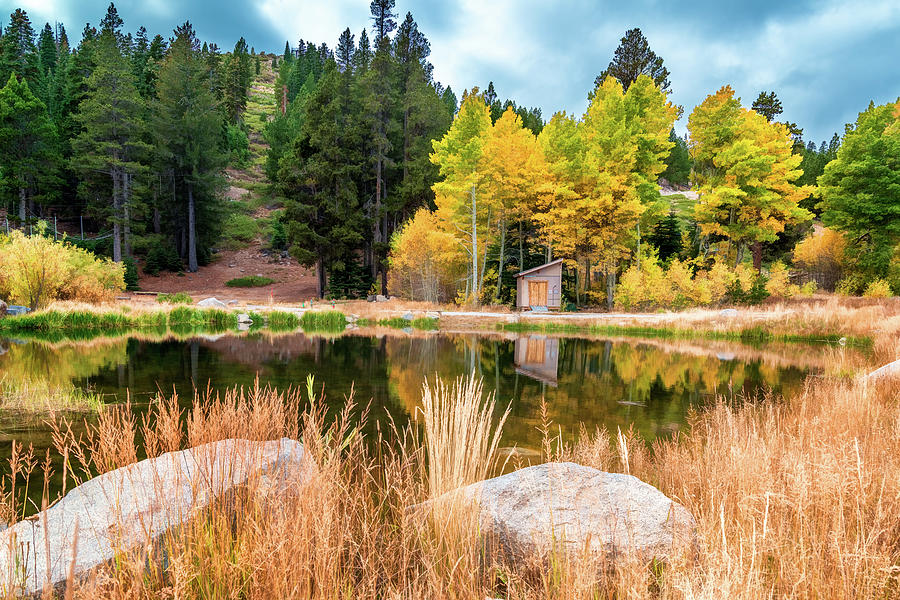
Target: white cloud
{"x":313,"y":20}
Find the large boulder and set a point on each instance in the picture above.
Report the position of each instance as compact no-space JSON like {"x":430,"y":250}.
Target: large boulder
{"x":892,"y":369}
{"x":531,"y":511}
{"x":212,"y":303}
{"x":131,"y":507}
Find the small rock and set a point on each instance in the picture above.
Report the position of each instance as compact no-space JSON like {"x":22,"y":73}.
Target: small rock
{"x":232,"y":303}
{"x":244,"y":318}
{"x":371,"y":298}
{"x":891,"y":369}
{"x":408,"y":316}
{"x":231,"y":266}
{"x":431,"y":314}
{"x":380,"y":298}
{"x":728,"y":312}
{"x":212,"y":303}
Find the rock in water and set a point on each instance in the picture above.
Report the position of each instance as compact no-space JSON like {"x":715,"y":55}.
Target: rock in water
{"x":212,"y":303}
{"x":531,"y":511}
{"x":133,"y":506}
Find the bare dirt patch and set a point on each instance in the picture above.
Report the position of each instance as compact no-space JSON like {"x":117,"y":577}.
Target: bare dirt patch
{"x":293,"y":282}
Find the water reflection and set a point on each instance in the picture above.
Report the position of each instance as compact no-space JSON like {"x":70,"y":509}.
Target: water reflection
{"x":598,"y":382}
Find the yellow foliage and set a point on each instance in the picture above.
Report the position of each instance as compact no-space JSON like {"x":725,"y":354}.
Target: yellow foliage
{"x":35,"y":270}
{"x":779,"y":285}
{"x":878,"y":288}
{"x":426,"y":261}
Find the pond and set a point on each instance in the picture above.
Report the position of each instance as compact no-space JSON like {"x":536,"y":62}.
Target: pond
{"x":612,"y":383}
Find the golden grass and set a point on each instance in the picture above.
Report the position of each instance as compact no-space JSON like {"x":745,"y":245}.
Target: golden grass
{"x":794,"y":498}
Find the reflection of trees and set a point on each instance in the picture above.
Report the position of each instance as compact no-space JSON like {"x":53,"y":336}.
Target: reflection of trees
{"x":600,"y":383}
{"x":60,"y":365}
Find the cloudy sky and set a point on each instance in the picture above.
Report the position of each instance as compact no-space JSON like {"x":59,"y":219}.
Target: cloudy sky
{"x":826,"y":59}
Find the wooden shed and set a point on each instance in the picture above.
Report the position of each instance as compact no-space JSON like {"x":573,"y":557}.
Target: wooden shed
{"x":540,"y":287}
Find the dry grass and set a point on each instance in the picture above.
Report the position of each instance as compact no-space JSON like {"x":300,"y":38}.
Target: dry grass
{"x":794,"y":498}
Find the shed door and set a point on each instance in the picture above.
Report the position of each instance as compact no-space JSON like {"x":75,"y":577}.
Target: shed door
{"x":537,"y":293}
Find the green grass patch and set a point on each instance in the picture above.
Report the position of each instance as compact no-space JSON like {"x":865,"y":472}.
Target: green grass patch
{"x":250,"y":281}
{"x":176,"y":298}
{"x":423,"y":323}
{"x":329,"y":321}
{"x":279,"y":320}
{"x":752,"y":336}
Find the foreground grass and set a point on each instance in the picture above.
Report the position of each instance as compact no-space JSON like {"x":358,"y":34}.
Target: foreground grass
{"x":795,"y":497}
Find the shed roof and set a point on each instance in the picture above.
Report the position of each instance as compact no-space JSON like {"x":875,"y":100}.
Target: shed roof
{"x":544,"y":266}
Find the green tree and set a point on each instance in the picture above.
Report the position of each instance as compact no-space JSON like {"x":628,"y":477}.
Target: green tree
{"x":27,"y":142}
{"x":238,"y":75}
{"x":745,"y":169}
{"x":110,"y":142}
{"x":632,"y":58}
{"x":860,"y":188}
{"x":318,"y":180}
{"x":18,"y":54}
{"x":768,"y":105}
{"x":678,"y":163}
{"x":666,"y":237}
{"x":188,"y":125}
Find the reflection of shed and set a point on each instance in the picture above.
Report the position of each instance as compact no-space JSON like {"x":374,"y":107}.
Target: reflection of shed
{"x":540,"y":286}
{"x":537,"y":357}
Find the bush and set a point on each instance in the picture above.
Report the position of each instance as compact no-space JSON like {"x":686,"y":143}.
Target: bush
{"x":277,"y":235}
{"x":161,"y":256}
{"x":177,"y":298}
{"x":238,"y":145}
{"x":878,"y":288}
{"x":35,"y":270}
{"x":131,"y":275}
{"x":238,"y":230}
{"x":821,"y":255}
{"x":851,"y":285}
{"x":250,"y":281}
{"x":778,"y":284}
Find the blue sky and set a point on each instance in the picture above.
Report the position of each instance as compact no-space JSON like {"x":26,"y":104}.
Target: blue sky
{"x":825,"y":59}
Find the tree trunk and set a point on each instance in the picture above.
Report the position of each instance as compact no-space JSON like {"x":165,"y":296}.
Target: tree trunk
{"x":610,"y":286}
{"x":22,"y":202}
{"x":502,"y":256}
{"x":740,"y":255}
{"x":639,"y":246}
{"x":320,"y":278}
{"x":192,"y":231}
{"x":376,"y":234}
{"x":474,"y":246}
{"x":117,"y":221}
{"x":757,"y":256}
{"x":126,"y":214}
{"x":521,"y":249}
{"x":587,"y":273}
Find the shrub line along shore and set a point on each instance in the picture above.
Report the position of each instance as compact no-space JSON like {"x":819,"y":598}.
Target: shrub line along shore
{"x":747,"y":326}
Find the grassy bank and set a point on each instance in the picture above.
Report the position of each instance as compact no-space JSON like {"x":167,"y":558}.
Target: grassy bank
{"x":421,"y":323}
{"x":324,"y":321}
{"x":747,"y":335}
{"x":793,"y":498}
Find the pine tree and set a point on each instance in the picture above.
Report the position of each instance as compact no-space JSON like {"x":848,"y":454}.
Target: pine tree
{"x":27,"y":142}
{"x":666,"y":237}
{"x":768,"y":105}
{"x":238,"y":75}
{"x":111,"y":138}
{"x":46,"y":49}
{"x":632,"y":58}
{"x":317,"y":177}
{"x":188,"y":126}
{"x":112,"y":24}
{"x":18,"y":54}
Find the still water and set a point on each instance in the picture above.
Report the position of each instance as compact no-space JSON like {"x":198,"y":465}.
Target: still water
{"x":650,"y":385}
